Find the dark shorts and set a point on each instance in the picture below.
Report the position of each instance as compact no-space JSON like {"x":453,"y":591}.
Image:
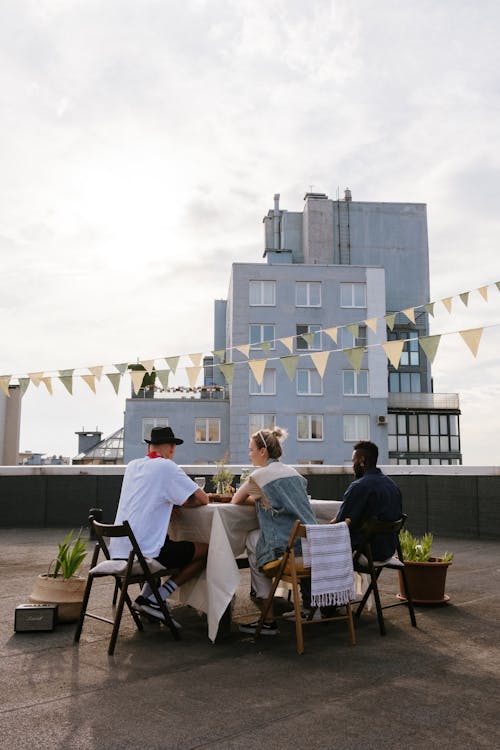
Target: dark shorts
{"x":176,"y":554}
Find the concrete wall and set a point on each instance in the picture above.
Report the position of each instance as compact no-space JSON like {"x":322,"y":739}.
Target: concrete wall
{"x":453,"y":501}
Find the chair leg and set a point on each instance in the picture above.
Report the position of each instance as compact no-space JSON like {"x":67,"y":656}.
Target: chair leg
{"x":409,"y":600}
{"x":118,"y":618}
{"x":83,"y":610}
{"x":299,"y":633}
{"x":164,"y":610}
{"x":350,"y":624}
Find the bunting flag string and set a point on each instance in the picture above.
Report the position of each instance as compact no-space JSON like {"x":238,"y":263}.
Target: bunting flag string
{"x":393,"y":350}
{"x":290,"y":363}
{"x":429,"y":345}
{"x":257,"y":367}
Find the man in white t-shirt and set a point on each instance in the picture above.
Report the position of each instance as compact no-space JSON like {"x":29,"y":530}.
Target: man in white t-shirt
{"x":151,"y":487}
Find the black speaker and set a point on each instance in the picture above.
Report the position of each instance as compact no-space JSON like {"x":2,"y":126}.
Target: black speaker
{"x":32,"y":617}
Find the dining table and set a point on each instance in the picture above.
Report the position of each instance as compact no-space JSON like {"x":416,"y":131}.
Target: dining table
{"x":224,"y":526}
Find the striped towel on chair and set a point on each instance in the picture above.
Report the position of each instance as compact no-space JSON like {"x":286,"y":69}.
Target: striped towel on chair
{"x":327,"y":551}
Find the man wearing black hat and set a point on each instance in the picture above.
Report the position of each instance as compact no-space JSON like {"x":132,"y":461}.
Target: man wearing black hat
{"x":151,"y":487}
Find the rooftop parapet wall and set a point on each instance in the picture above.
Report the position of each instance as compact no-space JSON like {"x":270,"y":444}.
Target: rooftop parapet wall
{"x":449,"y":501}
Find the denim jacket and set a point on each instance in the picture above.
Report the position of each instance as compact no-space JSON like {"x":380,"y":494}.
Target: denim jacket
{"x":280,"y":499}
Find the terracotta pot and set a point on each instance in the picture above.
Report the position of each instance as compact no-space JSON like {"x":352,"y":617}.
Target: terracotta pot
{"x":426,"y":581}
{"x":66,"y":593}
{"x":217,"y":497}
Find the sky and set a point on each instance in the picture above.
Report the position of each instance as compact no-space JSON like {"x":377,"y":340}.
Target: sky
{"x":141,"y":145}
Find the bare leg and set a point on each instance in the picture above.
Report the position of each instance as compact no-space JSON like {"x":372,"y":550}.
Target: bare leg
{"x":197,"y":564}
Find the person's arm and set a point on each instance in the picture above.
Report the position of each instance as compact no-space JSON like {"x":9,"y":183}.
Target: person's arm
{"x":353,"y":505}
{"x":198,"y":498}
{"x":242,"y":495}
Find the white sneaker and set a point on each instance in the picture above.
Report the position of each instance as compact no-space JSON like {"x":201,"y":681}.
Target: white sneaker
{"x":152,"y":609}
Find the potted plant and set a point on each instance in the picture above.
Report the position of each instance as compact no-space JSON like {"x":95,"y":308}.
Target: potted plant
{"x":222,"y":483}
{"x":425,"y":574}
{"x":64,"y":586}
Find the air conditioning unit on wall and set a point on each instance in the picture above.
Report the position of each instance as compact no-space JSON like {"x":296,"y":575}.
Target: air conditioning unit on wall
{"x":382,"y":419}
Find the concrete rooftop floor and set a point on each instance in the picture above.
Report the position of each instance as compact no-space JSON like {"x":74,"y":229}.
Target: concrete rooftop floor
{"x":436,"y":686}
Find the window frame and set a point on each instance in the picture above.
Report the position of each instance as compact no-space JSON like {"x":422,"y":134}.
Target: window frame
{"x":310,"y":371}
{"x":356,"y":375}
{"x":357,"y":435}
{"x":270,"y":372}
{"x":265,"y":424}
{"x":308,"y":285}
{"x":352,"y":284}
{"x":157,"y":422}
{"x":262,"y":284}
{"x":310,"y":417}
{"x":207,"y":420}
{"x":257,"y":345}
{"x":302,"y":345}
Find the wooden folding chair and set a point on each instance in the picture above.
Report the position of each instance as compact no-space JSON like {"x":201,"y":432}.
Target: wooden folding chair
{"x":135,"y":569}
{"x":364,"y":563}
{"x":291,"y":570}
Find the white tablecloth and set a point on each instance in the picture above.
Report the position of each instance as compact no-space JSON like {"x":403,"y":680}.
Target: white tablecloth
{"x":225,"y":528}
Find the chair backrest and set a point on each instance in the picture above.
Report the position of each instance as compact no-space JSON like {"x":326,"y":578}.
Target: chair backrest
{"x":374,"y":526}
{"x":109,"y":530}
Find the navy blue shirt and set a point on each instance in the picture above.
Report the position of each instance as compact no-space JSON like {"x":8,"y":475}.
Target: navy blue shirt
{"x":373,"y":495}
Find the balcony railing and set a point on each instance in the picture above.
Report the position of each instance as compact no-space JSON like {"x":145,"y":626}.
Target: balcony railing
{"x":423,"y":401}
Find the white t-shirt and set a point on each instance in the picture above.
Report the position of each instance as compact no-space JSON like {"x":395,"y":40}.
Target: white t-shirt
{"x":151,"y":487}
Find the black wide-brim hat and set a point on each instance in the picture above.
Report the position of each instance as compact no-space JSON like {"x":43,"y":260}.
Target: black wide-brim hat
{"x":161,"y":435}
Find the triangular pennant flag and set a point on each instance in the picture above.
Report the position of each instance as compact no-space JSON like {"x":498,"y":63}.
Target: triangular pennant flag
{"x":290,"y":365}
{"x":148,"y":365}
{"x":355,"y":356}
{"x":4,"y":383}
{"x":122,"y":367}
{"x":483,"y":291}
{"x":472,"y":337}
{"x":90,"y":380}
{"x":192,"y":374}
{"x":390,"y":319}
{"x":48,"y":384}
{"x":23,"y":384}
{"x":308,"y":338}
{"x":288,"y":342}
{"x":410,"y":314}
{"x":114,"y":378}
{"x":354,"y":329}
{"x":96,"y":371}
{"x":220,"y":354}
{"x":429,"y":308}
{"x":36,"y":378}
{"x":372,"y":324}
{"x":497,"y":284}
{"x":430,"y":346}
{"x":163,"y":376}
{"x":465,"y":298}
{"x":447,"y":302}
{"x":136,"y":376}
{"x":393,"y":350}
{"x":228,"y":372}
{"x":195,"y":359}
{"x":172,"y":363}
{"x":257,"y":367}
{"x":332,"y":333}
{"x":266,"y":345}
{"x":320,"y":361}
{"x":66,"y":378}
{"x":244,"y":349}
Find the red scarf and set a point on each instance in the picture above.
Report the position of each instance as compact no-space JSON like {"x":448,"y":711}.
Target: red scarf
{"x":154,"y":454}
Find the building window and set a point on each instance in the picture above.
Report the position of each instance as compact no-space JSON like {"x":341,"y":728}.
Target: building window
{"x":267,"y":387}
{"x":347,"y":340}
{"x":309,"y":383}
{"x":259,"y":333}
{"x":149,"y":422}
{"x":302,"y":343}
{"x":404,"y":382}
{"x":353,"y":295}
{"x":262,"y":293}
{"x":423,"y":433}
{"x":356,"y":427}
{"x":258,"y":422}
{"x":410,"y":356}
{"x":308,"y":293}
{"x":355,"y":383}
{"x":309,"y":427}
{"x":206,"y":430}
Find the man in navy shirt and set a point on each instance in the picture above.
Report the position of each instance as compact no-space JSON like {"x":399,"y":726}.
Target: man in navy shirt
{"x":371,"y":495}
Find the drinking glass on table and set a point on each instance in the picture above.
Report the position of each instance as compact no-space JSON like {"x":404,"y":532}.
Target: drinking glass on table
{"x":200,"y":481}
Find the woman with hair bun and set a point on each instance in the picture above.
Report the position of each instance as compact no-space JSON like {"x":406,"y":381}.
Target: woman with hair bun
{"x":279,"y":494}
